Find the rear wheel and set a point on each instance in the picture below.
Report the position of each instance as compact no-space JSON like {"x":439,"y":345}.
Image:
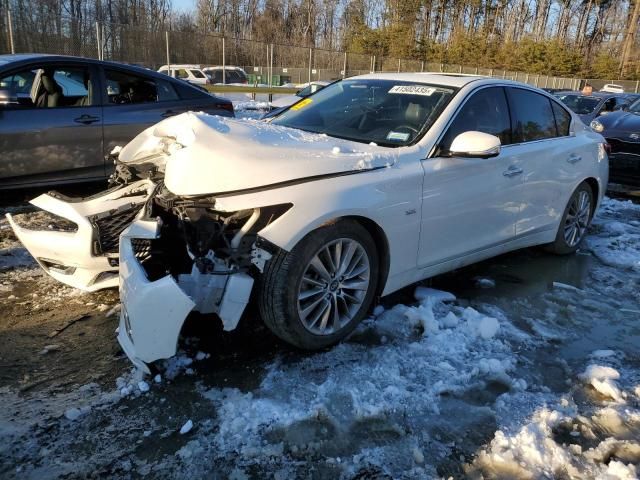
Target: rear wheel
{"x":315,"y":295}
{"x":575,"y":221}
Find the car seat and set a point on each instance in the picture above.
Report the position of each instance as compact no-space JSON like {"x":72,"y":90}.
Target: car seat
{"x":51,"y":94}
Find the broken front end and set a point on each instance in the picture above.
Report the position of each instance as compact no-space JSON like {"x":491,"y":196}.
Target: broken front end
{"x":75,"y":240}
{"x":184,"y":255}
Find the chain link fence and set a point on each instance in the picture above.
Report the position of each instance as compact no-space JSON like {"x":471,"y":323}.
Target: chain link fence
{"x":265,"y":63}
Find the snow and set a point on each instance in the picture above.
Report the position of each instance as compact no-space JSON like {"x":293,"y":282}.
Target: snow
{"x":602,"y":378}
{"x":186,"y":428}
{"x":422,"y":293}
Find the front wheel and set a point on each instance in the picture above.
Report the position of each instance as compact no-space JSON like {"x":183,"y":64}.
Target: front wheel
{"x":575,"y":221}
{"x":315,"y":295}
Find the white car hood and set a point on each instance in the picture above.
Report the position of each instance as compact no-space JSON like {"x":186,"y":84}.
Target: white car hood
{"x":206,"y":154}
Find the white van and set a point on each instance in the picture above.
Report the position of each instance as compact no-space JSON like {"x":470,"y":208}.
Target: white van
{"x":612,"y":88}
{"x":190,"y":73}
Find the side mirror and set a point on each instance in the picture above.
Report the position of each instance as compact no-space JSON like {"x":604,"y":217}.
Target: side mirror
{"x":474,"y":144}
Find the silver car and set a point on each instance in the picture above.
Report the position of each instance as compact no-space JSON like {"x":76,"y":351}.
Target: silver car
{"x":61,"y":116}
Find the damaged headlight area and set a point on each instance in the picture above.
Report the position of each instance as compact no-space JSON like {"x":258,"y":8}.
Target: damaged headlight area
{"x":184,"y":255}
{"x":43,"y":220}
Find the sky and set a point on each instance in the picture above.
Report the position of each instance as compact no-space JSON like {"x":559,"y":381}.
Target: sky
{"x":183,"y":4}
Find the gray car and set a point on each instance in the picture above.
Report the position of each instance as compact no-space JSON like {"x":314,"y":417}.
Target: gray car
{"x":61,"y":116}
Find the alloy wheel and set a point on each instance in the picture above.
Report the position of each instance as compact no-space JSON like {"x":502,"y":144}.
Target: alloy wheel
{"x":577,"y":220}
{"x":333,"y":286}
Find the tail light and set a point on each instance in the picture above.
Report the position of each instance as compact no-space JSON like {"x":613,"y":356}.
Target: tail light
{"x":225,"y":106}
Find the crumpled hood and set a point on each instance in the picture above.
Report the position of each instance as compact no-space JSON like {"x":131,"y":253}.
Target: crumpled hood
{"x":203,"y":154}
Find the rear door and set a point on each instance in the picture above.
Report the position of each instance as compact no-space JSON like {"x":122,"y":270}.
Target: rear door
{"x":53,"y":129}
{"x":134,"y":102}
{"x":550,"y":157}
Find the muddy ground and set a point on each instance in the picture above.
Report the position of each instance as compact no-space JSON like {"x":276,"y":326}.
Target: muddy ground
{"x":494,"y":384}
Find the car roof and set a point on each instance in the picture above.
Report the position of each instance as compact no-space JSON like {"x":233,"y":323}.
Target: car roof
{"x":593,"y":94}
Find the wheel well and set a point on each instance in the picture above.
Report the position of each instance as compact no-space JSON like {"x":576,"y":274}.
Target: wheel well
{"x":595,"y":189}
{"x":382,"y":245}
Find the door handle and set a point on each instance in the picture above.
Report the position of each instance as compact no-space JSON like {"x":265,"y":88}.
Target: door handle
{"x":512,"y":171}
{"x":573,"y":158}
{"x":86,"y":119}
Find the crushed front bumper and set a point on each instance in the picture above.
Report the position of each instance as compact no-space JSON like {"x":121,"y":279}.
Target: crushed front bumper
{"x":153,"y":311}
{"x":88,"y":257}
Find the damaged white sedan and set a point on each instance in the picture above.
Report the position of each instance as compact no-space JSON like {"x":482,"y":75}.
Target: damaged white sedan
{"x":371,"y":184}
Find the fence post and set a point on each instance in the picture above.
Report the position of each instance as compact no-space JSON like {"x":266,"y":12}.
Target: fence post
{"x":166,"y":36}
{"x":459,"y":68}
{"x":422,"y":66}
{"x":98,"y":40}
{"x":102,"y":41}
{"x":224,"y":69}
{"x":637,"y":86}
{"x":310,"y":60}
{"x":10,"y":23}
{"x":271,"y":67}
{"x":399,"y":66}
{"x":491,"y":72}
{"x":344,"y":66}
{"x":373,"y":64}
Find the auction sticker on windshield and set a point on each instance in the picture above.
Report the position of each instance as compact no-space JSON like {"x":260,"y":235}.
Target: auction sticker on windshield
{"x":301,"y":104}
{"x":412,"y":90}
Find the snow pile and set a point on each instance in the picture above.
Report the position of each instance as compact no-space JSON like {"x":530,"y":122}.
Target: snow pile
{"x":564,"y":441}
{"x":603,"y":378}
{"x":615,"y":236}
{"x":354,"y":392}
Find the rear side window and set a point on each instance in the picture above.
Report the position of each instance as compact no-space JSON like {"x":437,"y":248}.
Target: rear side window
{"x":197,"y":73}
{"x":563,"y":119}
{"x":125,"y":88}
{"x":533,"y":116}
{"x":187,"y":92}
{"x":486,"y":111}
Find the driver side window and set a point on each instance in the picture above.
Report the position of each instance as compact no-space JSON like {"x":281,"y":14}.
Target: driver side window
{"x":486,"y":111}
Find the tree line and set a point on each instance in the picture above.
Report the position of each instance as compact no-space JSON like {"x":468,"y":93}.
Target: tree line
{"x":589,"y":38}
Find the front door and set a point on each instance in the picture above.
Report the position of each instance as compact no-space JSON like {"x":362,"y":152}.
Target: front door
{"x":51,"y":124}
{"x":470,"y":204}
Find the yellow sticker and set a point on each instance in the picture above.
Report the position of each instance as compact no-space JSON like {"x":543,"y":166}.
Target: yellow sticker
{"x":301,"y":104}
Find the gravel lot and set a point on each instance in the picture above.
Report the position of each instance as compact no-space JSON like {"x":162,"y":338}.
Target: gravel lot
{"x":528,"y":368}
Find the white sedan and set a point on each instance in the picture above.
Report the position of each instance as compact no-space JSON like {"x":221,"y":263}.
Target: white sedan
{"x":372,"y":184}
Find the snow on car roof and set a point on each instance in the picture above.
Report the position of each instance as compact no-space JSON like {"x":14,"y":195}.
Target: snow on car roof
{"x":450,"y":79}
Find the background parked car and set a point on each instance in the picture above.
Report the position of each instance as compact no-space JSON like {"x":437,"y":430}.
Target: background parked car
{"x":189,"y":73}
{"x":306,"y":90}
{"x":622,"y":131}
{"x":60,"y":116}
{"x":612,"y":87}
{"x":231,"y":74}
{"x":591,"y":106}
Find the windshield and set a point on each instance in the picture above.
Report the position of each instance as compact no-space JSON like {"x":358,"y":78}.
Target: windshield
{"x":635,"y":107}
{"x":386,"y":112}
{"x":580,"y":104}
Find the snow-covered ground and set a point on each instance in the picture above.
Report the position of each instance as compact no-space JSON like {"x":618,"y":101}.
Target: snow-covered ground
{"x":524,"y":366}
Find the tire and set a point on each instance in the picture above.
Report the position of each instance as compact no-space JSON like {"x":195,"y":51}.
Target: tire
{"x":573,"y":228}
{"x":281,"y":286}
